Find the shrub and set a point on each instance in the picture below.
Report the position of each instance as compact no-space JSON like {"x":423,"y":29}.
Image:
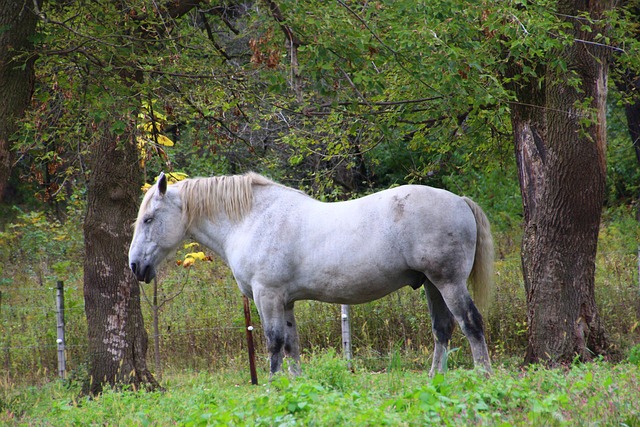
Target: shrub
{"x":634,"y":355}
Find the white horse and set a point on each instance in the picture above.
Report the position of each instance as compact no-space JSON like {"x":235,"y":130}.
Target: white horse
{"x":284,"y":246}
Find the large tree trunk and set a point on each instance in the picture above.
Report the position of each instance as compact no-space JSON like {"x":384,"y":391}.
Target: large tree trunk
{"x":560,"y":143}
{"x":117,"y":337}
{"x":17,"y":27}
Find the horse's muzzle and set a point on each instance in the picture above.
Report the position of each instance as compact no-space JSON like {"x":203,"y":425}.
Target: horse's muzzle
{"x":145,"y":274}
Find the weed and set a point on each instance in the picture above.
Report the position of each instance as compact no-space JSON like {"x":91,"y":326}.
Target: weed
{"x":585,"y":394}
{"x":329,"y":370}
{"x":634,"y":355}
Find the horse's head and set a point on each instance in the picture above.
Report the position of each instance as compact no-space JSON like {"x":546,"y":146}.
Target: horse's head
{"x":159,"y":229}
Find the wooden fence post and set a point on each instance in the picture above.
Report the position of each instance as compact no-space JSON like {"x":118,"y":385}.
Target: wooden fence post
{"x":155,"y":311}
{"x":251,"y":349}
{"x":62,"y":363}
{"x":346,"y":334}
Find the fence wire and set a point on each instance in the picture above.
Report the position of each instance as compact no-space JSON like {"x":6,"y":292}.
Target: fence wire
{"x":37,"y":303}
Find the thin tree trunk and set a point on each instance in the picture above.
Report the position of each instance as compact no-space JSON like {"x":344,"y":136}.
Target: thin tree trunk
{"x":630,"y":86}
{"x":155,"y":309}
{"x":17,"y":27}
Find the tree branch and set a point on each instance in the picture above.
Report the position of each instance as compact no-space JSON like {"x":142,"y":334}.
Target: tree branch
{"x":313,"y":111}
{"x":397,"y":55}
{"x":178,"y":8}
{"x":220,"y":11}
{"x":209,"y":32}
{"x":292,"y":42}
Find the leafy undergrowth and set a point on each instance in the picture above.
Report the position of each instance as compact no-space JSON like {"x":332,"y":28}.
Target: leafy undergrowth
{"x":329,"y":394}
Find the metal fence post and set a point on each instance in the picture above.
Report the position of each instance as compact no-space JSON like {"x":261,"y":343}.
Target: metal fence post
{"x":62,"y":363}
{"x":346,"y":333}
{"x":7,"y":348}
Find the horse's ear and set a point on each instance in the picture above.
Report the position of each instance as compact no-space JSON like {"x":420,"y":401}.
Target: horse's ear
{"x":162,"y":183}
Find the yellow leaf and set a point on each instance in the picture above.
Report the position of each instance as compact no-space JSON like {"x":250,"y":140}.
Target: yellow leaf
{"x":145,"y":187}
{"x":176,"y":176}
{"x":147,"y":127}
{"x":188,"y":262}
{"x":196,"y":255}
{"x":142,"y":142}
{"x":163,"y":140}
{"x":147,"y":107}
{"x":191,"y":245}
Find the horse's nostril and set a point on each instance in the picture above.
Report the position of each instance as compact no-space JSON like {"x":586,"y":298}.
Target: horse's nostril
{"x":134,"y":267}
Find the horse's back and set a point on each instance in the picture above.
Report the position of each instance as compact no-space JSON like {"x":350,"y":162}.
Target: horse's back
{"x":408,"y":213}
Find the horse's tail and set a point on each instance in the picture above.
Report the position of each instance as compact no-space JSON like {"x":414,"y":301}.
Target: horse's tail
{"x":481,"y":278}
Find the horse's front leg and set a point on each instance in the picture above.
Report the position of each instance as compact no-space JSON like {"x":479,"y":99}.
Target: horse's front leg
{"x":291,"y":340}
{"x":270,"y":306}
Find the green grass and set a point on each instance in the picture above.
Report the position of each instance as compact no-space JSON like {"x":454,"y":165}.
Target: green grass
{"x":329,"y":394}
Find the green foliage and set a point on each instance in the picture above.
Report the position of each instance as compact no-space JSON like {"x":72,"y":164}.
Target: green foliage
{"x":329,"y":369}
{"x":406,"y":86}
{"x":623,"y":174}
{"x":616,"y":274}
{"x":378,"y":93}
{"x":599,"y":391}
{"x":634,"y":355}
{"x":43,"y":245}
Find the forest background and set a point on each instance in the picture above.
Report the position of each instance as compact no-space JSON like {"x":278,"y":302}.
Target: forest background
{"x":337,"y":99}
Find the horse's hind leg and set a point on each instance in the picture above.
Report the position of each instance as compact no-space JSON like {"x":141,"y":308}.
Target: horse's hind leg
{"x":468,"y":317}
{"x":291,"y":340}
{"x":442,"y":324}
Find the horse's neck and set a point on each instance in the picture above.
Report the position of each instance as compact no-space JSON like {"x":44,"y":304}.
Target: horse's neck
{"x":213,"y":234}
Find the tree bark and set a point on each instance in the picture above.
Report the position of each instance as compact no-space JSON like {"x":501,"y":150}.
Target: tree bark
{"x":117,"y":337}
{"x":18,"y":25}
{"x":560,"y":145}
{"x":118,"y":340}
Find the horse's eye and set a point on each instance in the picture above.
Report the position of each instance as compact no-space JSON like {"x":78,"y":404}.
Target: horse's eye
{"x":148,"y":220}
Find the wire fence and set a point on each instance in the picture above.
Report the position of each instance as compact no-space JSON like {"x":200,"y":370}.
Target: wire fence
{"x":203,"y":327}
{"x":192,"y":330}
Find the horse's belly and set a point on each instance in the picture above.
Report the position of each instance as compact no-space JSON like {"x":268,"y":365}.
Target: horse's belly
{"x":345,"y":289}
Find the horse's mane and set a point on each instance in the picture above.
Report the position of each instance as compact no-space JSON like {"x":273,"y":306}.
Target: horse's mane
{"x":209,"y":196}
